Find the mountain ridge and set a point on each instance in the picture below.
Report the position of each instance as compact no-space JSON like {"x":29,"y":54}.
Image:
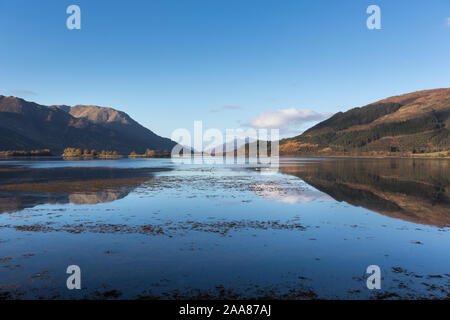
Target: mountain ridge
{"x":28,"y":125}
{"x":416,"y":122}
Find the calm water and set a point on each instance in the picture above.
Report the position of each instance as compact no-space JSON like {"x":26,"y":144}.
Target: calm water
{"x":151,"y":228}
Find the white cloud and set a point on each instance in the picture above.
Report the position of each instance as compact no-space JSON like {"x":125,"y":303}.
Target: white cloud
{"x":287,"y":117}
{"x":448,"y":22}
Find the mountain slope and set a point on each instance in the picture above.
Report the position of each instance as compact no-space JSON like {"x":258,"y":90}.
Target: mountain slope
{"x":26,"y":125}
{"x":122,"y":123}
{"x":415,"y":122}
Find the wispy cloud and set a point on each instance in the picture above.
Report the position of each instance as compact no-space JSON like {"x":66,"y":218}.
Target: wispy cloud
{"x":22,"y":93}
{"x":448,"y":22}
{"x":283,"y":118}
{"x":227,"y":108}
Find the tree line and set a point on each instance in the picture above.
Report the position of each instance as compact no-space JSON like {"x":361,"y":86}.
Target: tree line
{"x":78,"y":153}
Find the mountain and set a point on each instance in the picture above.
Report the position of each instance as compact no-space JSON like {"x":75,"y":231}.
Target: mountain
{"x":229,"y":146}
{"x":27,"y":125}
{"x":417,"y":122}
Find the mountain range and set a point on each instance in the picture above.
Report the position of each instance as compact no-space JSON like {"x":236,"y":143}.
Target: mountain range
{"x":27,"y":125}
{"x":417,"y":122}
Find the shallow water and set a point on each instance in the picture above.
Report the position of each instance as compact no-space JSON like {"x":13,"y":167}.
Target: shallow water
{"x":152,"y":228}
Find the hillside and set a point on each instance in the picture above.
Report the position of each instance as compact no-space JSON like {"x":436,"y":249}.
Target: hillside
{"x":26,"y":126}
{"x":417,"y":122}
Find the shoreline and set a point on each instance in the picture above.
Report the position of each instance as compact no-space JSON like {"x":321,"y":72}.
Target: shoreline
{"x":8,"y":158}
{"x":362,"y":156}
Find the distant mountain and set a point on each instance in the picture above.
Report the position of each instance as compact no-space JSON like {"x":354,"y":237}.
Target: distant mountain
{"x":26,"y":125}
{"x":229,"y":146}
{"x":417,"y":122}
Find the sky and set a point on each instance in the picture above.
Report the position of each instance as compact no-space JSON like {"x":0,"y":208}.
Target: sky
{"x":230,"y":64}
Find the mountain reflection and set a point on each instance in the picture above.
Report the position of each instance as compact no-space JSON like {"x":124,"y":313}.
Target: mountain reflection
{"x":414,"y":190}
{"x":22,"y":188}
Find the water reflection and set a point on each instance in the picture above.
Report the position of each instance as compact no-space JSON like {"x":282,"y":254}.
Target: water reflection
{"x":413,"y":190}
{"x":198,"y":231}
{"x":280,"y":193}
{"x":22,"y":187}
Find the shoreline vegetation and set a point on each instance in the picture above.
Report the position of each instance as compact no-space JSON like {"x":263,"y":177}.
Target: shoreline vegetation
{"x":25,"y":153}
{"x":151,"y":154}
{"x":372,"y":155}
{"x":77,"y":154}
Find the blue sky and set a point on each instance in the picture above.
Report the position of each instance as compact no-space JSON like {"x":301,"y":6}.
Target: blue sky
{"x":168,"y":63}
